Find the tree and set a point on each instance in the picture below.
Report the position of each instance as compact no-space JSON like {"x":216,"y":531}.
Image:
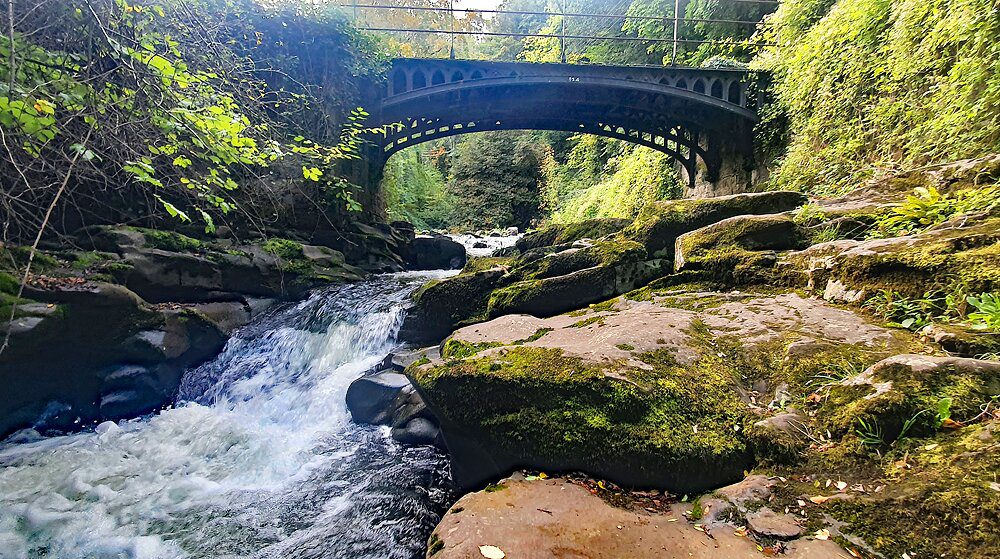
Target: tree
{"x":496,"y":178}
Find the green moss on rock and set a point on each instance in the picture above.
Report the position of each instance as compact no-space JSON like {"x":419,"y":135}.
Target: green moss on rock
{"x":539,"y":407}
{"x":170,"y":240}
{"x":660,"y":223}
{"x":570,"y":232}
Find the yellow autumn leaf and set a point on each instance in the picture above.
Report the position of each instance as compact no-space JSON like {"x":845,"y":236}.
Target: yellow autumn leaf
{"x":492,"y":552}
{"x":44,"y":107}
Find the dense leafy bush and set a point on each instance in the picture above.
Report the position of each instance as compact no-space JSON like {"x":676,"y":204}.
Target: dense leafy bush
{"x":628,"y":181}
{"x":871,"y":86}
{"x":188,"y":106}
{"x":414,"y":190}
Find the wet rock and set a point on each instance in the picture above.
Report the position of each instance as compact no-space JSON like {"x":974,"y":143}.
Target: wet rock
{"x":434,"y":253}
{"x":418,"y":431}
{"x":101,"y":354}
{"x":389,"y":398}
{"x":374,"y":399}
{"x":768,"y":523}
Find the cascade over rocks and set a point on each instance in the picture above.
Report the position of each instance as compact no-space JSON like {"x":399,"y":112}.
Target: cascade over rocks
{"x":84,"y":351}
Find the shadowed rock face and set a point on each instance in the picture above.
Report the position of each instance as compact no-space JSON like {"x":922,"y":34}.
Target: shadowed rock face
{"x":434,"y":253}
{"x":100,"y":354}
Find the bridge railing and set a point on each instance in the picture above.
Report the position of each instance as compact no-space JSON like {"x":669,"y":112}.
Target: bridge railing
{"x":454,"y":24}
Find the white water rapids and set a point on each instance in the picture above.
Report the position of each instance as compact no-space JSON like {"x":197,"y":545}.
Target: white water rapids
{"x":261,"y":460}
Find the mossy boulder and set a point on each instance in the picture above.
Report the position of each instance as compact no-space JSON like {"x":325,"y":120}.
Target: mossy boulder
{"x":660,"y":223}
{"x":739,"y":248}
{"x":563,"y":233}
{"x":960,"y":254}
{"x":908,"y":390}
{"x":539,"y":407}
{"x":646,"y":393}
{"x":441,"y":306}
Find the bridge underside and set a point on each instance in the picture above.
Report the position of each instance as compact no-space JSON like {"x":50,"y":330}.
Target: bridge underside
{"x":697,"y":130}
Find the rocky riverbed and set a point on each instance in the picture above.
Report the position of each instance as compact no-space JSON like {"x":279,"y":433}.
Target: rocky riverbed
{"x":739,"y":346}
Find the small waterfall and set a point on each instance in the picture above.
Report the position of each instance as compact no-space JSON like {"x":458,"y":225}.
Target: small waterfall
{"x":259,"y":460}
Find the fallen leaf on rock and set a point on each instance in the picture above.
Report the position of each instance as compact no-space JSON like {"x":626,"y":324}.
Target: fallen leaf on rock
{"x":841,"y":485}
{"x":492,"y":552}
{"x":951,"y":424}
{"x":822,"y":534}
{"x":819,"y":499}
{"x":741,"y":532}
{"x":931,"y":446}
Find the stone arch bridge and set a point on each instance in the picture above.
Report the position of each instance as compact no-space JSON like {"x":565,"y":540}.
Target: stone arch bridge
{"x":702,"y":118}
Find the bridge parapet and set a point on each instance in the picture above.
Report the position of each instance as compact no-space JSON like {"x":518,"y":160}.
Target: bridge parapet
{"x":717,"y":85}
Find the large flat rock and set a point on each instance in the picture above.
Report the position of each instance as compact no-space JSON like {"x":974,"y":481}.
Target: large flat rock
{"x":556,"y":519}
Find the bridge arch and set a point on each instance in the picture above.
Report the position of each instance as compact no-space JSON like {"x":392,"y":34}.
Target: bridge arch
{"x":692,"y":115}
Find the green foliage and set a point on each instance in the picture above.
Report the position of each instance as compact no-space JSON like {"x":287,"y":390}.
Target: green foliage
{"x":168,"y":240}
{"x":414,"y":190}
{"x":283,"y":248}
{"x":871,"y":86}
{"x":869,"y":433}
{"x":943,"y":412}
{"x":809,"y":213}
{"x":928,"y":207}
{"x":496,"y":178}
{"x":606,"y":178}
{"x":903,"y":312}
{"x":987,"y":314}
{"x":146,"y":97}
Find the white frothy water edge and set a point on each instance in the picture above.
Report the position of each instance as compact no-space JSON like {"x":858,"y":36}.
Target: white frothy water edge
{"x":202,"y":479}
{"x":493,"y":244}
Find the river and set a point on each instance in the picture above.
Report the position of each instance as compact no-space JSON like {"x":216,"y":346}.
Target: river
{"x":259,"y":458}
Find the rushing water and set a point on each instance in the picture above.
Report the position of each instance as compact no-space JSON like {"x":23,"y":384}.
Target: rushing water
{"x":493,"y":244}
{"x":261,"y":460}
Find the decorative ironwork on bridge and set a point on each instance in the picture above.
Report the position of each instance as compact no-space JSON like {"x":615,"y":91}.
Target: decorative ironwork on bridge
{"x":683,"y":112}
{"x":701,"y":117}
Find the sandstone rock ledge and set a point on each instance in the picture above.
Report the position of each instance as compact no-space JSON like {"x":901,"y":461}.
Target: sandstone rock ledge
{"x":557,"y":519}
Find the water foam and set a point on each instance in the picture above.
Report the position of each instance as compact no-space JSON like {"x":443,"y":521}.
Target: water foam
{"x":260,"y":461}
